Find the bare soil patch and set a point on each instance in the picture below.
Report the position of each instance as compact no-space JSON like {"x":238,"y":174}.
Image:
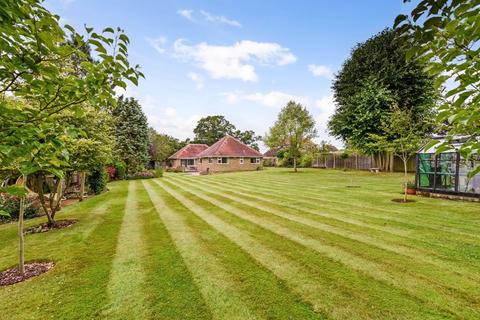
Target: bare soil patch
{"x":45,"y":227}
{"x":33,"y":269}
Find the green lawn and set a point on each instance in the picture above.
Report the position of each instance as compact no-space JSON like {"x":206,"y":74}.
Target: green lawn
{"x":256,"y":245}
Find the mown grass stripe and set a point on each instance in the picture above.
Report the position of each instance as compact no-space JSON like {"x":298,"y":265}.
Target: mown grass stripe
{"x":375,"y":269}
{"x":447,"y":282}
{"x":384,"y":244}
{"x":337,"y":303}
{"x":212,"y":280}
{"x":448,"y":246}
{"x":127,"y":275}
{"x":386,"y":215}
{"x":170,"y":290}
{"x":336,"y":195}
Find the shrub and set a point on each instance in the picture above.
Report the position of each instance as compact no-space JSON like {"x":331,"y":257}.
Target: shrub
{"x":268,"y":163}
{"x":120,"y":170}
{"x":97,"y":180}
{"x":411,"y":185}
{"x":158,"y":173}
{"x":141,"y":175}
{"x":112,"y":172}
{"x":11,"y":205}
{"x":306,"y":161}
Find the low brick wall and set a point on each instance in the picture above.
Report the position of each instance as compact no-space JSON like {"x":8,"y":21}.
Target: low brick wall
{"x":232,"y":165}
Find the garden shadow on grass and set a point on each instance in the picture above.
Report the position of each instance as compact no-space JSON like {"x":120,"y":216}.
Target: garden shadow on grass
{"x":403,"y":201}
{"x":11,"y":276}
{"x":44,"y":227}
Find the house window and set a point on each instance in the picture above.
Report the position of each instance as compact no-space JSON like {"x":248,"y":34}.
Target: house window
{"x":200,"y":160}
{"x":254,"y":160}
{"x":258,"y":160}
{"x":241,"y":160}
{"x":222,"y":160}
{"x":210,"y":160}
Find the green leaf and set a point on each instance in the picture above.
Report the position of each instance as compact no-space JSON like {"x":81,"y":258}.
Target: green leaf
{"x":14,"y":190}
{"x":4,"y":213}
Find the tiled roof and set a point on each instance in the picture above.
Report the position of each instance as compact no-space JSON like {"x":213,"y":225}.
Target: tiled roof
{"x":272,"y":152}
{"x":228,"y":146}
{"x":189,"y":151}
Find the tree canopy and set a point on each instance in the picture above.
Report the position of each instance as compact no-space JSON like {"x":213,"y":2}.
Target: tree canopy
{"x":162,"y":145}
{"x":375,"y":77}
{"x":294,"y":129}
{"x":131,"y":134}
{"x":210,"y":129}
{"x":446,"y":36}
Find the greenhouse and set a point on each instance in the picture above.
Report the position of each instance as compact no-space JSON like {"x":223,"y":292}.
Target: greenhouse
{"x":447,"y":172}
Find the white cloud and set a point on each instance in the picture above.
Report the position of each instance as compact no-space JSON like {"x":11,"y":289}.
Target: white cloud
{"x":197,"y":78}
{"x":235,"y":61}
{"x":320,"y":71}
{"x":274,"y":99}
{"x":167,"y":120}
{"x":230,"y":97}
{"x":326,"y":104}
{"x":186,"y":13}
{"x":220,"y":19}
{"x":158,"y":43}
{"x":327,"y":108}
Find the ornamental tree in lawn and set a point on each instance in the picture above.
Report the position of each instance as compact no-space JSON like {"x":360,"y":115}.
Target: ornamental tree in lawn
{"x":38,"y":80}
{"x":446,"y":36}
{"x":376,"y":76}
{"x":403,"y":136}
{"x":294,"y":127}
{"x":131,"y":134}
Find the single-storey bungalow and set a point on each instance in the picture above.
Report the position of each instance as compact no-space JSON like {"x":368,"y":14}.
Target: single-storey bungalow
{"x":186,"y":157}
{"x":229,"y":154}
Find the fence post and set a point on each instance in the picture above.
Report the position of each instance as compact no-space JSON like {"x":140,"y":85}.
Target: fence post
{"x":334,"y":161}
{"x":356,"y":161}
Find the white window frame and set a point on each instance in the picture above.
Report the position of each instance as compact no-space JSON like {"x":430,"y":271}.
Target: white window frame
{"x":210,"y":160}
{"x":257,"y":160}
{"x":219,"y":160}
{"x":242,"y":160}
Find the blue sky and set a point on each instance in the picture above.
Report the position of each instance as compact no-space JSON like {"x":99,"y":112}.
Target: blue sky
{"x":241,"y":59}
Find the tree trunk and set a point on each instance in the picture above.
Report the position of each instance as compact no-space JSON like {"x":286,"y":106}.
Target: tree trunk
{"x":294,"y":164}
{"x":82,"y":185}
{"x":392,"y":161}
{"x":21,"y":239}
{"x":405,"y":180}
{"x":39,"y":186}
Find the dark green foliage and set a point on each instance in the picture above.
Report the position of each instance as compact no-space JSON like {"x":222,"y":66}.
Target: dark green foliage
{"x":210,"y":129}
{"x":11,"y":206}
{"x":131,"y":134}
{"x":163,"y":146}
{"x":119,"y":170}
{"x":376,"y":77}
{"x":158,"y":173}
{"x":97,"y":180}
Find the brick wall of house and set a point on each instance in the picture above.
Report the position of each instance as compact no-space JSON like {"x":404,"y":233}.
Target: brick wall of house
{"x":232,"y":165}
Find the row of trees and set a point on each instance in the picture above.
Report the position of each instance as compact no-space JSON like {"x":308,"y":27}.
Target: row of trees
{"x":55,"y":100}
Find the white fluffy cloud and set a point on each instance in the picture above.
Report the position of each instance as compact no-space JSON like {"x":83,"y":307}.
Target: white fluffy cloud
{"x":320,"y":71}
{"x":219,"y":19}
{"x":158,"y":43}
{"x":169,"y":121}
{"x":274,"y":99}
{"x":187,"y":14}
{"x":326,"y":105}
{"x":198,"y":79}
{"x":208,"y":17}
{"x":235,"y":61}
